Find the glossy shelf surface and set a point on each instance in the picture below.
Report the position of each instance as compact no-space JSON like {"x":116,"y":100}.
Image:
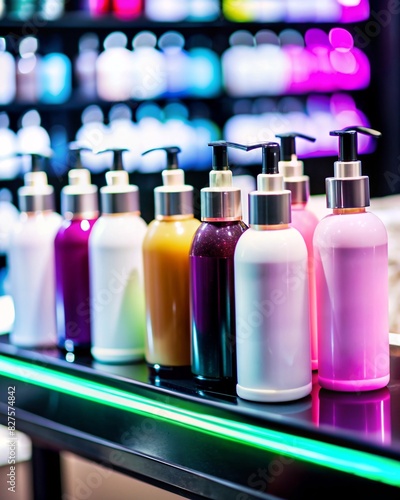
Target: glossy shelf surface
{"x":200,"y":442}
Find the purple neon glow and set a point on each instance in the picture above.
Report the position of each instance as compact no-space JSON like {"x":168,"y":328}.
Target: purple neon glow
{"x":342,"y":11}
{"x":317,"y":117}
{"x":320,"y":62}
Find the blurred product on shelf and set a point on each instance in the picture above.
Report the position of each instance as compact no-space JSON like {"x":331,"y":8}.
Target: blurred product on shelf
{"x":32,"y":137}
{"x":117,"y":298}
{"x":166,"y":249}
{"x":10,"y":164}
{"x":212,"y":282}
{"x":8,"y":74}
{"x":85,"y":66}
{"x":315,"y":11}
{"x":319,"y":115}
{"x":303,"y":219}
{"x":31,"y":260}
{"x":28,"y":81}
{"x":270,"y":64}
{"x":182,"y":10}
{"x":115,"y":68}
{"x":94,"y":133}
{"x":79,"y":208}
{"x":150,"y":77}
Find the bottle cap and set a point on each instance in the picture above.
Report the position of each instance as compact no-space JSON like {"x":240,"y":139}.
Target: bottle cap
{"x":79,"y":198}
{"x":270,"y":204}
{"x":221,"y":201}
{"x":292,"y":168}
{"x":36,"y":195}
{"x":119,"y":196}
{"x":349,"y":188}
{"x":174,"y":197}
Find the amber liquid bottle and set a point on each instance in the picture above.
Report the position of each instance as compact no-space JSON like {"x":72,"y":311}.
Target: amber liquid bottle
{"x":166,"y":273}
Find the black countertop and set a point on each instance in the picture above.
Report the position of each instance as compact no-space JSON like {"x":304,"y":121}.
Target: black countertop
{"x":203,"y":443}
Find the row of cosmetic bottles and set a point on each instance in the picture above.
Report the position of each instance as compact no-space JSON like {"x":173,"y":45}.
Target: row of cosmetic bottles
{"x":170,"y":66}
{"x":252,"y":308}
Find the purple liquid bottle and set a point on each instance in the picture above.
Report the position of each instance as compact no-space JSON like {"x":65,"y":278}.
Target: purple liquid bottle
{"x":351,"y":257}
{"x":79,"y":205}
{"x":212,"y":277}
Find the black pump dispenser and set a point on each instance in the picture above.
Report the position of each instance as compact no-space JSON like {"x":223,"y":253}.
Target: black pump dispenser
{"x":292,"y":168}
{"x":221,"y":201}
{"x":118,"y":158}
{"x":75,"y":150}
{"x":219,"y":155}
{"x":119,"y":196}
{"x":172,"y":156}
{"x":288,"y":144}
{"x":174,"y":197}
{"x":38,"y":162}
{"x":271,"y":203}
{"x":348,"y":141}
{"x":349,"y":188}
{"x":36,"y":195}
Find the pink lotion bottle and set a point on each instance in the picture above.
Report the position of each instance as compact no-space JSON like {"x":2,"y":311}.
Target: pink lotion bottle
{"x":303,"y":219}
{"x":351,"y":258}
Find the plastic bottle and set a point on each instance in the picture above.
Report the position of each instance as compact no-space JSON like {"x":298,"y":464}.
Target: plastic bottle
{"x":9,"y":161}
{"x":116,"y":271}
{"x":8,"y":84}
{"x":31,"y":261}
{"x":85,"y":65}
{"x":28,"y":78}
{"x":166,"y":270}
{"x":55,"y":77}
{"x":303,"y":219}
{"x":150,"y":67}
{"x":79,"y":207}
{"x":115,"y":69}
{"x":212,"y":284}
{"x":351,"y":258}
{"x":127,"y":9}
{"x":271,"y":287}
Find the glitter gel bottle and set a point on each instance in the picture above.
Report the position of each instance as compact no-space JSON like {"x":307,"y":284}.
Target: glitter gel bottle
{"x":212,"y":288}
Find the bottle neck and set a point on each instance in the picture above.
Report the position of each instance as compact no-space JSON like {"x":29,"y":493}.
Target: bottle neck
{"x":174,"y":218}
{"x":39,"y":213}
{"x":81,"y":215}
{"x":344,"y":211}
{"x":120,"y":214}
{"x":299,"y":206}
{"x":269,"y":227}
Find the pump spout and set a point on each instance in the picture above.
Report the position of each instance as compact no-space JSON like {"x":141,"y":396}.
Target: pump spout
{"x":288,"y":144}
{"x":270,"y":155}
{"x":348,"y":188}
{"x":348,"y":150}
{"x":75,"y":149}
{"x":172,"y":155}
{"x":219,"y":155}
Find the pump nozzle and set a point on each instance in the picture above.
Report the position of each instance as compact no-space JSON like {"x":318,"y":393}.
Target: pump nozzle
{"x":172,"y":155}
{"x":288,"y":144}
{"x":219,"y":155}
{"x":270,"y":204}
{"x":348,"y":140}
{"x":270,"y":155}
{"x":75,"y":149}
{"x":36,"y":194}
{"x":37,"y":160}
{"x":174,"y":197}
{"x":349,"y":188}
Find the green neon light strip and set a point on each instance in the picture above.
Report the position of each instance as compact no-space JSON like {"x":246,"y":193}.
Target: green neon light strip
{"x":350,"y":461}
